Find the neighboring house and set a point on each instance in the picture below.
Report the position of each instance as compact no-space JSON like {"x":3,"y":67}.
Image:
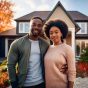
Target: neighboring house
{"x":77,"y":38}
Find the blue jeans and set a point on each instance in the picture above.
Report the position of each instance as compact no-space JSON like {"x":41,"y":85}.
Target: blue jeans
{"x":42,"y":85}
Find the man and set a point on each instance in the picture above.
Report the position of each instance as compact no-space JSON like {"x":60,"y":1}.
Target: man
{"x":28,"y":51}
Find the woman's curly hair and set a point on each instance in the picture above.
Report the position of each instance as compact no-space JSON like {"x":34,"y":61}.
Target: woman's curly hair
{"x":59,"y":24}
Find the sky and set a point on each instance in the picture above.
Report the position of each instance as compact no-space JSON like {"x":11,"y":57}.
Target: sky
{"x":23,"y":7}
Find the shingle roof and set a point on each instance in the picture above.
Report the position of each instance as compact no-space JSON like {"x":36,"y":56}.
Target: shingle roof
{"x":76,"y":16}
{"x":42,"y":14}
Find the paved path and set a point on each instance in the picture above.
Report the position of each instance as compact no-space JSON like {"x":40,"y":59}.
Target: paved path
{"x":79,"y":83}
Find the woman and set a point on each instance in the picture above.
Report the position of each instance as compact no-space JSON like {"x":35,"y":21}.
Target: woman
{"x":57,"y":56}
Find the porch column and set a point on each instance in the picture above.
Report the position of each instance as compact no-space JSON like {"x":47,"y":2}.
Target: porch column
{"x":73,"y":38}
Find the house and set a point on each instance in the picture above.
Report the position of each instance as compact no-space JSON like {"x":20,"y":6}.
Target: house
{"x":76,"y":21}
{"x":6,"y":39}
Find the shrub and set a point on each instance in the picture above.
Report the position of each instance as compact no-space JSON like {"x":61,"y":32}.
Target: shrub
{"x":84,"y":55}
{"x":82,"y":64}
{"x":4,"y":79}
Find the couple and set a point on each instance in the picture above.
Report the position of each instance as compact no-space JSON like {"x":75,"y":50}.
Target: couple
{"x":41,"y":65}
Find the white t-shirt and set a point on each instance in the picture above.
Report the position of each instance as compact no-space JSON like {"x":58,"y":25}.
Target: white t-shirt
{"x":34,"y":75}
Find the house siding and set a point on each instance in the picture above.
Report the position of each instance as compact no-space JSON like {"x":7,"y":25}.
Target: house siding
{"x":2,"y":47}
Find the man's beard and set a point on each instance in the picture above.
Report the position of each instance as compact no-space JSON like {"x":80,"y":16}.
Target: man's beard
{"x":35,"y":32}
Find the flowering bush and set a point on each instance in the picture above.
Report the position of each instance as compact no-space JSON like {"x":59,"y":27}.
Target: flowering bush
{"x":82,"y":68}
{"x":4,"y":79}
{"x":84,"y":55}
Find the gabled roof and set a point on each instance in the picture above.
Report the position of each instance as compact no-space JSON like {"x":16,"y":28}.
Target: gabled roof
{"x":60,"y":5}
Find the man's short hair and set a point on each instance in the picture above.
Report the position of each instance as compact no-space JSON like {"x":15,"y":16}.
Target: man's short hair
{"x":36,"y":18}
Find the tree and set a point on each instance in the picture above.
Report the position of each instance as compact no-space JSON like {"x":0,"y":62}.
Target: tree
{"x":6,"y":14}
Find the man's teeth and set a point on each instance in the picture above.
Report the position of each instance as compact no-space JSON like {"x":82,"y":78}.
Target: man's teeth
{"x":36,"y":31}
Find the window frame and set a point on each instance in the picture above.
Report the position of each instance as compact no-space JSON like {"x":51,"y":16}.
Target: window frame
{"x":22,"y":30}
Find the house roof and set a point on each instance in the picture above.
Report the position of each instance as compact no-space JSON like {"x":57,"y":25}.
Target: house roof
{"x":60,"y":5}
{"x":78,"y":16}
{"x":46,"y":14}
{"x":10,"y":32}
{"x":75,"y":15}
{"x":42,"y":14}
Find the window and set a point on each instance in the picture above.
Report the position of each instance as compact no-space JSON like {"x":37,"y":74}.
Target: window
{"x":23,"y":27}
{"x":83,"y":26}
{"x":80,"y":45}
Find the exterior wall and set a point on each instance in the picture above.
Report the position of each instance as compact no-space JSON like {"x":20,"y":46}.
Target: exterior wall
{"x":2,"y":47}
